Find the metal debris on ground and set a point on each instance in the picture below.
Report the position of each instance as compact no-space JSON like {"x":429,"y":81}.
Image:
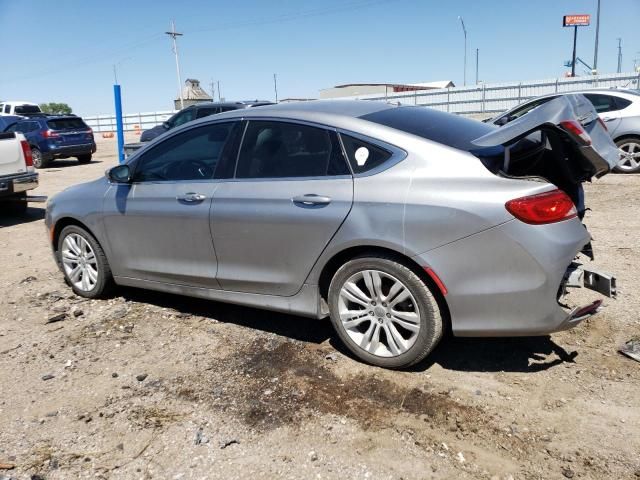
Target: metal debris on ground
{"x":631,"y":349}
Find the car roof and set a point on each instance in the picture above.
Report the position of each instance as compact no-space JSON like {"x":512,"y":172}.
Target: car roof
{"x":302,"y":110}
{"x":242,"y":103}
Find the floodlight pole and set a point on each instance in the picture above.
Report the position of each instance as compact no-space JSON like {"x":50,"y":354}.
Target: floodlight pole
{"x":275,"y":85}
{"x":573,"y":61}
{"x":464,"y":30}
{"x":595,"y":53}
{"x":173,"y":34}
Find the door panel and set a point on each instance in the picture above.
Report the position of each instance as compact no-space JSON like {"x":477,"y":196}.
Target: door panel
{"x":158,"y":227}
{"x":266,"y":242}
{"x":156,"y":236}
{"x":292,"y":191}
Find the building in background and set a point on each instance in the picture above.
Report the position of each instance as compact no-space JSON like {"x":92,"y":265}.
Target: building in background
{"x":354,"y":90}
{"x":192,"y":93}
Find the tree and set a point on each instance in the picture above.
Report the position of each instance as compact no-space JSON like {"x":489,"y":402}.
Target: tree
{"x":56,"y":108}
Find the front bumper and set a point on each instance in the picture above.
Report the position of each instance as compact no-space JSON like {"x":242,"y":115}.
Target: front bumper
{"x":19,"y":183}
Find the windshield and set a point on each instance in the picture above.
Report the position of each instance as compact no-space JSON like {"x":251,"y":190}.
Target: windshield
{"x":67,"y":124}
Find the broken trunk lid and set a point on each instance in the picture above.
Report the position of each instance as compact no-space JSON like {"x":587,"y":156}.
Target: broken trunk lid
{"x":575,"y":116}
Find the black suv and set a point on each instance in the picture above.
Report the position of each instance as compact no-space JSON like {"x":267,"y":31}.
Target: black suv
{"x":198,"y":110}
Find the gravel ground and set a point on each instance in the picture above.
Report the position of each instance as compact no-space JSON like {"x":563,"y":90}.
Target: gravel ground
{"x":147,"y":385}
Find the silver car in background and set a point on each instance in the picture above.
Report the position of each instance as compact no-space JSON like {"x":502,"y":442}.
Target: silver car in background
{"x":398,"y":222}
{"x":618,"y":108}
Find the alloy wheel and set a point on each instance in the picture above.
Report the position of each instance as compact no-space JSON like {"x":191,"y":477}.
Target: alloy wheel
{"x":629,"y":156}
{"x":79,"y":262}
{"x":379,"y":313}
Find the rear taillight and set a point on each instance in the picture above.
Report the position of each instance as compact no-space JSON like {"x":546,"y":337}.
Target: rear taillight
{"x":547,"y":207}
{"x":50,"y":134}
{"x":576,"y":129}
{"x":26,"y":151}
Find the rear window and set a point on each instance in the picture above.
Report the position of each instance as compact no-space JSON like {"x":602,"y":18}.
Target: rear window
{"x":451,"y":130}
{"x":25,"y":109}
{"x":67,"y":124}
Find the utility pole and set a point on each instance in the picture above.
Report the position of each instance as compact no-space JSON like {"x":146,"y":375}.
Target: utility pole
{"x":275,"y":85}
{"x":619,"y":55}
{"x":212,"y":86}
{"x":464,"y":30}
{"x":219,"y":94}
{"x":477,"y":57}
{"x":595,"y":52}
{"x":173,"y":34}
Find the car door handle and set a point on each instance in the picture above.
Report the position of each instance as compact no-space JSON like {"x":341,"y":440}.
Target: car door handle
{"x":609,"y":119}
{"x":311,"y":199}
{"x":191,"y":197}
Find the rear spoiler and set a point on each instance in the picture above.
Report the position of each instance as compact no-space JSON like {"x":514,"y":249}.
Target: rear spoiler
{"x":599,"y":150}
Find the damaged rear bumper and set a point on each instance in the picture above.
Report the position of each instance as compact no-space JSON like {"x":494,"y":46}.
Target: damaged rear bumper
{"x":577,"y":276}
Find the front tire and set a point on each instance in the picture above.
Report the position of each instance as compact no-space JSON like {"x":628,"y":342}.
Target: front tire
{"x":383,"y":312}
{"x":629,"y":155}
{"x":84,"y":263}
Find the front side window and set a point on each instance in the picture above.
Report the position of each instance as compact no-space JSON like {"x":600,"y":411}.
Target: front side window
{"x":7,"y":108}
{"x":189,"y":155}
{"x":288,"y":150}
{"x":14,"y":127}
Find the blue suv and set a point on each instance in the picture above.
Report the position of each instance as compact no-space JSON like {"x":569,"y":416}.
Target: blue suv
{"x":56,"y":136}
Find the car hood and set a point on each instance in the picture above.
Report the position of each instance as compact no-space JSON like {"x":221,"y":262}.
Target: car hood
{"x":599,"y":151}
{"x":152,"y":133}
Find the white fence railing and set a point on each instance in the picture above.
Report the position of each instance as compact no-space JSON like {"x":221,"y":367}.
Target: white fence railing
{"x":472,"y":100}
{"x":493,"y":98}
{"x":132,"y":121}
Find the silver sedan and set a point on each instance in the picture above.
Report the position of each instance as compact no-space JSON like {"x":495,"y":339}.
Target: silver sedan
{"x":397,"y":222}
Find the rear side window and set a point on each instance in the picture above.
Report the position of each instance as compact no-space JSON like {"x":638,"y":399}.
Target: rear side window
{"x":602,"y":103}
{"x":289,"y":150}
{"x":622,"y":103}
{"x":67,"y":124}
{"x":363,"y":156}
{"x":25,"y":109}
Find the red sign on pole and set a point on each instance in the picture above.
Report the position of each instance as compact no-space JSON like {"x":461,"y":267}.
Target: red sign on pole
{"x":576,"y":20}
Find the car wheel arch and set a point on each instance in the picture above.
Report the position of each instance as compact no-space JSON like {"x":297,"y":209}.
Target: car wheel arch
{"x":340,"y":258}
{"x":65,"y":222}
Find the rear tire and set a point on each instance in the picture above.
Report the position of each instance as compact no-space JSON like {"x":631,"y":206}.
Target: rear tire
{"x":84,"y":158}
{"x":38,"y":159}
{"x":83,"y":263}
{"x":630,"y":155}
{"x":383,"y":312}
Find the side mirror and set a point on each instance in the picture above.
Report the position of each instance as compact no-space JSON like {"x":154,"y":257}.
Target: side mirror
{"x":503,"y":120}
{"x":166,"y":125}
{"x":119,"y":174}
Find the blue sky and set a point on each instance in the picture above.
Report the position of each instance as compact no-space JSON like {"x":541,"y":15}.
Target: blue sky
{"x":64,"y":50}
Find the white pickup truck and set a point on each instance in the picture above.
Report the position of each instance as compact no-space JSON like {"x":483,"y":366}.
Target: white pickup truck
{"x":17,"y":175}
